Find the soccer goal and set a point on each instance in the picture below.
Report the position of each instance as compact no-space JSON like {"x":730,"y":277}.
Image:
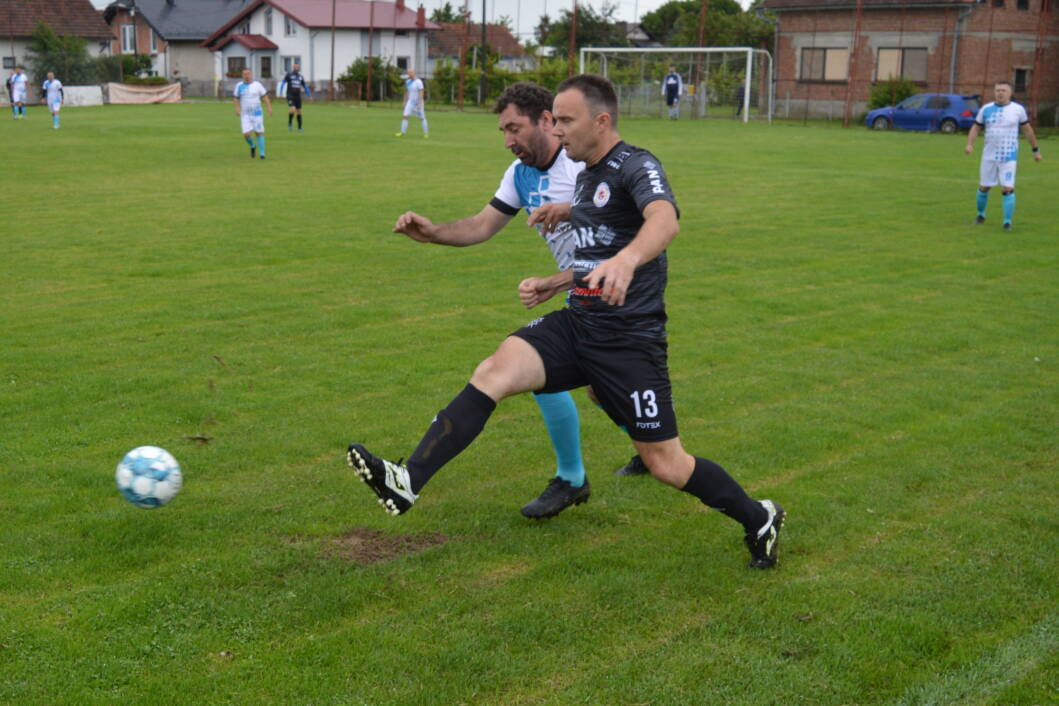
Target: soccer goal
{"x":719,"y":82}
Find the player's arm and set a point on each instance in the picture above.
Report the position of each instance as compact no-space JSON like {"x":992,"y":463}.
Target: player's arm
{"x":268,"y":102}
{"x":549,"y":215}
{"x":1027,"y":130}
{"x":282,"y":86}
{"x":305,"y":87}
{"x":62,"y":96}
{"x":971,"y":135}
{"x":466,"y":231}
{"x":536,"y":290}
{"x":658,"y":230}
{"x":235,"y":100}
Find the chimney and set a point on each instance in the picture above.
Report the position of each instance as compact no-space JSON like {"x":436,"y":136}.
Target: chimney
{"x":421,"y":17}
{"x":400,"y":5}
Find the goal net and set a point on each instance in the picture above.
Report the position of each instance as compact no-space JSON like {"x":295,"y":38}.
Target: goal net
{"x":718,"y":82}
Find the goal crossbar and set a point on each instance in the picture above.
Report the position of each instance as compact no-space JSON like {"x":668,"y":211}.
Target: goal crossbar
{"x":747,"y":77}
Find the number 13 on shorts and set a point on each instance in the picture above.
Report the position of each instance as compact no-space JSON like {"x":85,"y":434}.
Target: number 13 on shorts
{"x":644,"y":403}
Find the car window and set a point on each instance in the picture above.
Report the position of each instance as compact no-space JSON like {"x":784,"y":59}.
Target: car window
{"x":913,"y":103}
{"x":971,"y":102}
{"x":938,"y":102}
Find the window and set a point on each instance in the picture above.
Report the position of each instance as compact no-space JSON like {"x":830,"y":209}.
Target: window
{"x":825,"y":65}
{"x":154,"y":42}
{"x":402,"y":63}
{"x":913,"y":103}
{"x":128,"y":39}
{"x":289,"y":27}
{"x":1021,"y":79}
{"x":266,"y":67}
{"x":400,"y":33}
{"x":1023,"y":4}
{"x":236,"y":64}
{"x":268,"y":22}
{"x":9,"y":62}
{"x":938,"y":103}
{"x":998,"y":3}
{"x":243,"y":28}
{"x":910,"y":64}
{"x":289,"y":62}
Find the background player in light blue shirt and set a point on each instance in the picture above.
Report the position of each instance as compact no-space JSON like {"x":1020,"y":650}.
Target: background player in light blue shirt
{"x":540,"y":180}
{"x":1002,"y":119}
{"x":413,"y":104}
{"x":52,"y":95}
{"x":18,"y":83}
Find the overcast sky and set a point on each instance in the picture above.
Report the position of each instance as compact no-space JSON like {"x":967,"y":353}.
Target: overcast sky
{"x":524,"y":14}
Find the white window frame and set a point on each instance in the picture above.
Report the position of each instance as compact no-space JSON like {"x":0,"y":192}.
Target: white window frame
{"x":128,"y":39}
{"x":268,"y":22}
{"x":289,"y":62}
{"x":290,"y":27}
{"x":154,"y":42}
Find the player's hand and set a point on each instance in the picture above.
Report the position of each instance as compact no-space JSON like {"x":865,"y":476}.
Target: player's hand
{"x":1037,"y":157}
{"x":550,"y":215}
{"x":536,"y":290}
{"x":969,"y":149}
{"x":614,"y":277}
{"x":416,"y":227}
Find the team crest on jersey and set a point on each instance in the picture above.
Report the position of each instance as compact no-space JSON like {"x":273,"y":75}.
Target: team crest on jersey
{"x":602,"y":195}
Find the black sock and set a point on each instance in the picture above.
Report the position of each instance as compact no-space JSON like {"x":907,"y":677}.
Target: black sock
{"x":714,"y":487}
{"x":290,"y":119}
{"x":453,"y":430}
{"x":299,"y":121}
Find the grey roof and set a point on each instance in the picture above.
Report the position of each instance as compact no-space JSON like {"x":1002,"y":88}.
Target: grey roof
{"x":176,"y":20}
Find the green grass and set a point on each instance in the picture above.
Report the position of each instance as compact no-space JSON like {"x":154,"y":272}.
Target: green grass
{"x":841,"y":339}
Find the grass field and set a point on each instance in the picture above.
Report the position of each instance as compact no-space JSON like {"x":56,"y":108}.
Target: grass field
{"x":841,"y":339}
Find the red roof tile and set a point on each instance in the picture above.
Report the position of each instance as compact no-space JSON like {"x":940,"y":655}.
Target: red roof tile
{"x":250,"y":41}
{"x":18,"y":18}
{"x":447,"y":42}
{"x":782,"y":5}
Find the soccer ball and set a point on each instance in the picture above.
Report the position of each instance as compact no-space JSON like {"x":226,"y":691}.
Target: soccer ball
{"x":148,"y":477}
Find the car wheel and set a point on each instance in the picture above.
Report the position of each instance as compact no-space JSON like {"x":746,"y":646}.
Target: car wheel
{"x":948,"y":126}
{"x":880,"y":123}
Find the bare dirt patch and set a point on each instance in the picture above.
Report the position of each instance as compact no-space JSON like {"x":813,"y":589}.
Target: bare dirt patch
{"x":362,"y":545}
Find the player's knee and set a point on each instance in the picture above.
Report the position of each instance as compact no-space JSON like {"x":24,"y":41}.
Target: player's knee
{"x":492,"y":377}
{"x":671,"y":466}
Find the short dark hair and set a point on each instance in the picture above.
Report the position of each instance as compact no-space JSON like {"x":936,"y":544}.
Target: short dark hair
{"x":1004,"y":83}
{"x":530,"y":99}
{"x":598,"y":93}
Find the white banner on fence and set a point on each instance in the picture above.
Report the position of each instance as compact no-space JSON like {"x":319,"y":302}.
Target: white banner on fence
{"x":122,"y":93}
{"x":82,"y":95}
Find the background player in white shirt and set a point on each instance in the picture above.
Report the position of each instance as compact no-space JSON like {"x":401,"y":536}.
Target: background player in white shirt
{"x":1001,"y":120}
{"x":52,"y":95}
{"x":672,"y":90}
{"x":18,"y":84}
{"x":541,"y":174}
{"x":248,"y":96}
{"x":413,"y":104}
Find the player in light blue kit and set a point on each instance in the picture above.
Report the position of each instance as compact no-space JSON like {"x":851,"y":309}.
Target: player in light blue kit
{"x":52,"y":95}
{"x":1001,"y":120}
{"x":248,"y":97}
{"x":540,"y":180}
{"x":413,"y":104}
{"x":18,"y":83}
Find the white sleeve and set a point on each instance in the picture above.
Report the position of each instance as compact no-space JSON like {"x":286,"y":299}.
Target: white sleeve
{"x":980,"y":118}
{"x":1023,"y":117}
{"x":507,"y":193}
{"x":680,"y":85}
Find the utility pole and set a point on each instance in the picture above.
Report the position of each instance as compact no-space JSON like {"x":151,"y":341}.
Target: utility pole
{"x":331,"y":86}
{"x":484,"y":54}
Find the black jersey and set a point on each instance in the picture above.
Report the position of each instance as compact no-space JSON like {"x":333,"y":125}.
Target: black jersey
{"x":295,"y":83}
{"x":606,"y":215}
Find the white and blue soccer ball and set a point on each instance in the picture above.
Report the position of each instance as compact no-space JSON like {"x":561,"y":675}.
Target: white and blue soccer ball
{"x":149,"y":477}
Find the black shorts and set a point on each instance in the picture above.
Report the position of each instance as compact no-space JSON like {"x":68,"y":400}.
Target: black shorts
{"x":294,"y":100}
{"x":672,"y":98}
{"x":629,"y":374}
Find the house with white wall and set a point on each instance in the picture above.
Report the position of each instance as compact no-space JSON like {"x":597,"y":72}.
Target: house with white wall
{"x":270,"y":36}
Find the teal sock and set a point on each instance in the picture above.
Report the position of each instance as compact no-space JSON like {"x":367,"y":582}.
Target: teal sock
{"x":55,"y":120}
{"x":249,"y":141}
{"x":982,"y":200}
{"x":1008,"y":200}
{"x":261,"y":145}
{"x":560,"y":417}
{"x":14,"y":110}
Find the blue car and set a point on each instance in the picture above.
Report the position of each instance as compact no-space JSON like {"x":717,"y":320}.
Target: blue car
{"x":947,"y":112}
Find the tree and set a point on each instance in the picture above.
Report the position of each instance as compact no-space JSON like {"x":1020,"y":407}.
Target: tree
{"x":676,"y":24}
{"x":446,"y":13}
{"x":594,"y":29}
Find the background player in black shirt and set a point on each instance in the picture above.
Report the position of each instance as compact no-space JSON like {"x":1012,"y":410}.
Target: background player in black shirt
{"x":295,"y":83}
{"x":612,"y":335}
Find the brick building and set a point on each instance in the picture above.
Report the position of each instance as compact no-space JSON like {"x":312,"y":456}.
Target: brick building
{"x":944,"y":46}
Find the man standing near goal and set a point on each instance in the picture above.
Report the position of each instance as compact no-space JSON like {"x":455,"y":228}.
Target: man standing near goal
{"x":1001,"y":120}
{"x":52,"y":95}
{"x":673,"y":89}
{"x":292,"y":85}
{"x":413,"y":104}
{"x":611,"y":336}
{"x":248,"y":97}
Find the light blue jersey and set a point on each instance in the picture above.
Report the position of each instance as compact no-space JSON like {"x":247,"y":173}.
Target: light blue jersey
{"x":1001,"y":123}
{"x":528,"y":187}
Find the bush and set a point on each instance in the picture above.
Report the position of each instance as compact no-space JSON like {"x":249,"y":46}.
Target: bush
{"x":390,"y":75}
{"x":891,"y":92}
{"x":146,"y":80}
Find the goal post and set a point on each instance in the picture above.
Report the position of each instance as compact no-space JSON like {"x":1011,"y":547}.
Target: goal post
{"x":732,"y":82}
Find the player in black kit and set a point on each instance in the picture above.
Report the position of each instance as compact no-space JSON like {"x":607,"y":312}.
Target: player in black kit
{"x":295,"y":84}
{"x":612,"y":335}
